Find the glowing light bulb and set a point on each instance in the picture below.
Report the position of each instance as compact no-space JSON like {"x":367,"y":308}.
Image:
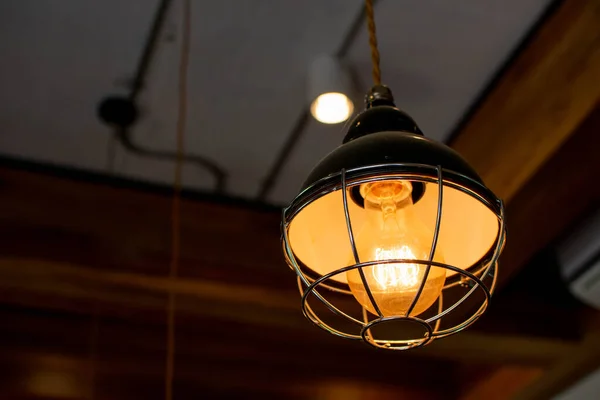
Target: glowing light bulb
{"x":393,"y":231}
{"x":332,"y":108}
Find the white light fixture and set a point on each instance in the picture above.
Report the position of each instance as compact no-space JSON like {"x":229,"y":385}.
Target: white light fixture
{"x":329,"y":86}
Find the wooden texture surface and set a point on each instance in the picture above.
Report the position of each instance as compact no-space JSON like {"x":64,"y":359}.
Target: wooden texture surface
{"x":78,"y":257}
{"x":538,"y":103}
{"x":560,"y":194}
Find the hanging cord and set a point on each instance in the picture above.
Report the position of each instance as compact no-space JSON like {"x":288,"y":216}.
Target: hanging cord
{"x":95,"y":325}
{"x":176,"y":213}
{"x":373,"y":42}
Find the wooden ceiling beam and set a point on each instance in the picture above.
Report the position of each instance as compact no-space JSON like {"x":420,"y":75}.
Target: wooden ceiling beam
{"x":502,"y":383}
{"x":560,"y":194}
{"x":538,"y":102}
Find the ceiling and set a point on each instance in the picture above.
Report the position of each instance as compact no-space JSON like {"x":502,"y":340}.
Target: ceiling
{"x":247,"y":78}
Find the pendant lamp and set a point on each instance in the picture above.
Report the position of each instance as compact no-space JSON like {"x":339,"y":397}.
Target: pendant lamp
{"x":394,"y":238}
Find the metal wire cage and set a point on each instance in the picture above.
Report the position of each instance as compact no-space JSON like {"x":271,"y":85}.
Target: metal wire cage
{"x":319,"y":243}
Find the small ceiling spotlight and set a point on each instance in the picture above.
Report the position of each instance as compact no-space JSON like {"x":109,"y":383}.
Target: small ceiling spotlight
{"x":329,"y":87}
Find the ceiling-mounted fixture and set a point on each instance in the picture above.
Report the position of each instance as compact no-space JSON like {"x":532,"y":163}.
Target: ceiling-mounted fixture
{"x":394,"y":237}
{"x":329,"y":87}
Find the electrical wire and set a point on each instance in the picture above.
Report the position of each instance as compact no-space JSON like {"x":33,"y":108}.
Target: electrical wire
{"x":176,"y":201}
{"x":122,"y":133}
{"x":218,"y":173}
{"x":376,"y":70}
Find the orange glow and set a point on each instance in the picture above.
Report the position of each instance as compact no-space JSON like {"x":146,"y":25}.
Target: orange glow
{"x":395,"y":275}
{"x":318,"y":235}
{"x":393,"y":232}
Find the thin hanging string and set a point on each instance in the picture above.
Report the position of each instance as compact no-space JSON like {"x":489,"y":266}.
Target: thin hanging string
{"x":176,"y":202}
{"x":111,"y":152}
{"x":373,"y":42}
{"x":94,"y":350}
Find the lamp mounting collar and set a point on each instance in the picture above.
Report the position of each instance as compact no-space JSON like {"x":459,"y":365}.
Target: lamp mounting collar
{"x":381,"y":115}
{"x":379,"y":95}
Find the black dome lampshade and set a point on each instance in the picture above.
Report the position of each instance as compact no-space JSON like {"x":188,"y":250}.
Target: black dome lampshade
{"x":393,"y":236}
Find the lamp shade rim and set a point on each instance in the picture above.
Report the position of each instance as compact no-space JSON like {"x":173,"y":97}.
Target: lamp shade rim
{"x":414,"y":172}
{"x":332,"y":181}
